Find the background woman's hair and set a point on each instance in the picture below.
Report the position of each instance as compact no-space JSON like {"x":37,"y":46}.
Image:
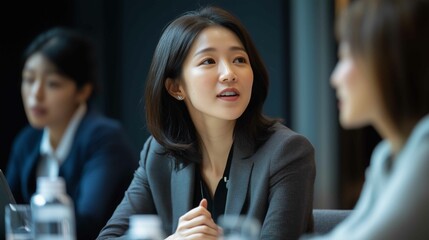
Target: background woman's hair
{"x":392,"y":39}
{"x":167,"y":119}
{"x":72,"y":53}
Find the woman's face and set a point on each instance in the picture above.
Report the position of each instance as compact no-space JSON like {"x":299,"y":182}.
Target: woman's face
{"x":217,"y":77}
{"x":358,"y":96}
{"x":49,"y":98}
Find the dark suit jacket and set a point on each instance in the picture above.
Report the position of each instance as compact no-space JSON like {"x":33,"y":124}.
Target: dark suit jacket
{"x":97,"y":171}
{"x":273,"y":185}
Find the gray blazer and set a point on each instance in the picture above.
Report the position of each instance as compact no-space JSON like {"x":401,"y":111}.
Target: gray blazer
{"x":273,"y":185}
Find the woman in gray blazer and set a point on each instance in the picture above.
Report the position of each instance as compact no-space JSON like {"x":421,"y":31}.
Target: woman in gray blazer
{"x":212,"y":152}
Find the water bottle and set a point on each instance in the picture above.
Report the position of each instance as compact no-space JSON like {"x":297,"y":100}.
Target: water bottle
{"x":145,"y":227}
{"x":52,"y":210}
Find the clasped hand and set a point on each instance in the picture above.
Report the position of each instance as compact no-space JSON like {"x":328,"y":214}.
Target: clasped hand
{"x":197,"y":224}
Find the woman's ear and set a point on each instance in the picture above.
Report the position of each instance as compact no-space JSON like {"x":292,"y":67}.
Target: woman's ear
{"x":84,"y":93}
{"x":173,"y":89}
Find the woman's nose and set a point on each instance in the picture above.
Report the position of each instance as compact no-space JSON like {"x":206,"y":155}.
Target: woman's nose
{"x":334,"y":76}
{"x":227,"y":73}
{"x":37,"y":89}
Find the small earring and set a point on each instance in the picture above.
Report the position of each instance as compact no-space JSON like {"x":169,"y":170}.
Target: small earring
{"x":180,"y":98}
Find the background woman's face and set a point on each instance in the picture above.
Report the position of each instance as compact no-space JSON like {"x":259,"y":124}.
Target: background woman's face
{"x":49,"y":98}
{"x":359,"y":99}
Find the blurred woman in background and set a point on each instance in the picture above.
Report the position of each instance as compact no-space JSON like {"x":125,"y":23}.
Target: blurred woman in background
{"x":382,"y":80}
{"x":66,"y":136}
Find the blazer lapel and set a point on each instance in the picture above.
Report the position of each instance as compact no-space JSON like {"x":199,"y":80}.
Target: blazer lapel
{"x":29,"y":177}
{"x":182,"y":191}
{"x":238,"y":183}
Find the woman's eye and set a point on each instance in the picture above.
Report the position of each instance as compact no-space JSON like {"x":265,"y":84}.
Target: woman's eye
{"x":53,"y":84}
{"x":27,"y":80}
{"x":208,"y":61}
{"x":240,"y":60}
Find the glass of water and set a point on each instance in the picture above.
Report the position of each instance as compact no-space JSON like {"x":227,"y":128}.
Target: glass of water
{"x":239,"y":227}
{"x":18,"y":222}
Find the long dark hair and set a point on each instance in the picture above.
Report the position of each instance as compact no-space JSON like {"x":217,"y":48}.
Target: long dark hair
{"x":167,"y":119}
{"x":392,"y":37}
{"x":72,"y":53}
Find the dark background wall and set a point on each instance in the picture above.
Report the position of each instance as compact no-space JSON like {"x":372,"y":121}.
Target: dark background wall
{"x":127,"y":32}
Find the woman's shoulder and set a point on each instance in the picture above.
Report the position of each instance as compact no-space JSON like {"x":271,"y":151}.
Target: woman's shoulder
{"x":98,"y":126}
{"x":29,"y":134}
{"x":283,"y":134}
{"x":420,"y":132}
{"x":284,"y":141}
{"x":98,"y":131}
{"x":285,"y":147}
{"x":152,"y":145}
{"x":153,"y":153}
{"x":97,"y":121}
{"x":27,"y":139}
{"x":416,"y":149}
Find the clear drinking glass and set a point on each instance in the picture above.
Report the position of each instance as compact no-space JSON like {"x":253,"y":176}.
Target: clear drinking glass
{"x":18,"y":222}
{"x":239,"y":227}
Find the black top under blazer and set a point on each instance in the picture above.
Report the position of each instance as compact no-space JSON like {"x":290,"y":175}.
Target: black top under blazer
{"x":273,"y":185}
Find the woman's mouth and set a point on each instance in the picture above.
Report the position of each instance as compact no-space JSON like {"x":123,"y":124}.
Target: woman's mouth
{"x":38,"y":111}
{"x":229,"y":94}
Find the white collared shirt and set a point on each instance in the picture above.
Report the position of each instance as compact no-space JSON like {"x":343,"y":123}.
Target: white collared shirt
{"x":51,"y":159}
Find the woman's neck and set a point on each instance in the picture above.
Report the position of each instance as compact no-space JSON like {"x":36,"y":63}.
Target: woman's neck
{"x":397,"y":137}
{"x":56,"y":131}
{"x":215,"y":142}
{"x":215,"y":139}
{"x":55,"y":135}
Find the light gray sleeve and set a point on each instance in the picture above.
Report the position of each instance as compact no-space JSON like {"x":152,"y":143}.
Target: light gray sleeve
{"x":400,"y":211}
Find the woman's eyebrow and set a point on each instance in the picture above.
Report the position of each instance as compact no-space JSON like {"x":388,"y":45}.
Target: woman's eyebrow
{"x":211,"y":49}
